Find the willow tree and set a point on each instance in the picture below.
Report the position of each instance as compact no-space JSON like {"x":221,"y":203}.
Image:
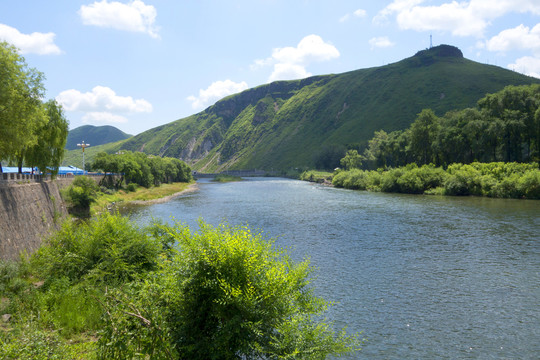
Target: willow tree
{"x":48,"y":151}
{"x":21,"y":108}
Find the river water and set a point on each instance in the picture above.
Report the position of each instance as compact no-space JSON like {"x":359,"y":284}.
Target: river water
{"x":422,"y":277}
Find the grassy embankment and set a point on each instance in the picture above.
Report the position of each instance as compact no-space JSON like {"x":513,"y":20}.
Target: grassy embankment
{"x":141,"y":194}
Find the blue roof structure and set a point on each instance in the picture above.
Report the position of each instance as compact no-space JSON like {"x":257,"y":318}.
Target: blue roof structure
{"x":62,"y":170}
{"x":14,"y":169}
{"x":70,"y":170}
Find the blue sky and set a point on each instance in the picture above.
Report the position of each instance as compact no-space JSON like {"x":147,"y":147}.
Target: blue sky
{"x":139,"y":64}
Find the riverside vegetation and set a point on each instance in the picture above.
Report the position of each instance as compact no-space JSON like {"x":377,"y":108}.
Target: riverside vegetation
{"x":439,"y":155}
{"x":108,"y":289}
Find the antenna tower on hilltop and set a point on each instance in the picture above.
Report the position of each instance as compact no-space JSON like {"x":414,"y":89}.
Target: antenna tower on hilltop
{"x":430,"y":41}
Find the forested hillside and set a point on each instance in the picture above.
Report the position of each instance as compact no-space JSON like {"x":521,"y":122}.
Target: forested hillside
{"x":299,"y":123}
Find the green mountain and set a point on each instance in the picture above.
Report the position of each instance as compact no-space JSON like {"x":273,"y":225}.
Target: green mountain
{"x":285,"y":123}
{"x":94,"y":135}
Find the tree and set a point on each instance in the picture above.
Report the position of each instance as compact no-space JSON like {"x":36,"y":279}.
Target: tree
{"x":352,"y":160}
{"x":328,"y":157}
{"x":226,"y":294}
{"x":423,"y":133}
{"x":21,"y":109}
{"x":377,"y":152}
{"x":51,"y":140}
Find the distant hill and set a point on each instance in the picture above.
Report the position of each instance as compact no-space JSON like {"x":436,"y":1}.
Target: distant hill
{"x":94,"y":135}
{"x":285,"y":123}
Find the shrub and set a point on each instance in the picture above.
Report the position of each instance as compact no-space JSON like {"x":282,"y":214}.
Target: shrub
{"x":109,"y":249}
{"x":132,"y":187}
{"x":82,"y":192}
{"x":463,"y":180}
{"x":226,"y":294}
{"x":529,"y":184}
{"x":389,"y":182}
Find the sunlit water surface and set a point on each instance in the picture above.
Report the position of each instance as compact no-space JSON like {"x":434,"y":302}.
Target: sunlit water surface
{"x":422,"y":277}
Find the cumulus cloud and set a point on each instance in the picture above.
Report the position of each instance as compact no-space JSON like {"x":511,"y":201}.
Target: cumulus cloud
{"x":285,"y":71}
{"x":103,"y":117}
{"x":134,"y":16}
{"x":518,"y":38}
{"x":34,"y":43}
{"x":100,"y":99}
{"x":360,"y":13}
{"x":396,"y":7}
{"x":380,"y":42}
{"x":466,"y":18}
{"x":217,"y":90}
{"x":527,"y":65}
{"x":290,"y":62}
{"x":102,"y":104}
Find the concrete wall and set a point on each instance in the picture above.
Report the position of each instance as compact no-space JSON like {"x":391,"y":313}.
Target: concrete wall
{"x":28,"y":212}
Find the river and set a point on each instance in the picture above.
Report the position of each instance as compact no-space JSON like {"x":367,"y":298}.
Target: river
{"x":422,"y":277}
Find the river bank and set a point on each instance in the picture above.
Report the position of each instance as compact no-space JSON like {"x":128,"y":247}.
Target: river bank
{"x":142,"y":196}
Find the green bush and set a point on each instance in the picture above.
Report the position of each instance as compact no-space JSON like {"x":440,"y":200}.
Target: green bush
{"x":110,"y":249}
{"x":82,"y":192}
{"x":131,"y":187}
{"x":529,"y":184}
{"x":226,"y":294}
{"x":389,"y":182}
{"x":503,"y":180}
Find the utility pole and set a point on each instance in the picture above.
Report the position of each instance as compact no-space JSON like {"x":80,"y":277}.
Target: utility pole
{"x":83,"y":146}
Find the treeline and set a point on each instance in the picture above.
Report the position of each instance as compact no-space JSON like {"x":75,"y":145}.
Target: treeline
{"x":497,"y":179}
{"x":142,"y":169}
{"x":31,"y":132}
{"x":505,"y":126}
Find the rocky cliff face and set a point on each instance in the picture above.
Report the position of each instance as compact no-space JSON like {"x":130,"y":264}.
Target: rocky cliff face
{"x":28,"y":212}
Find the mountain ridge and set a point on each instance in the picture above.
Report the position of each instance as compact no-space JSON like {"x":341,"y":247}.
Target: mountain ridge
{"x":283,"y":124}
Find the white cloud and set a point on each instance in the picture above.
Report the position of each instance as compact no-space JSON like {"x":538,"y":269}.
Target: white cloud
{"x":217,"y":90}
{"x":360,"y":13}
{"x":527,"y":65}
{"x":380,"y":42}
{"x":396,"y":6}
{"x":134,"y":16}
{"x":290,"y":62}
{"x":103,"y":117}
{"x":34,"y":43}
{"x":101,"y":99}
{"x":284,"y":71}
{"x":518,"y":38}
{"x":454,"y":17}
{"x":466,"y":18}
